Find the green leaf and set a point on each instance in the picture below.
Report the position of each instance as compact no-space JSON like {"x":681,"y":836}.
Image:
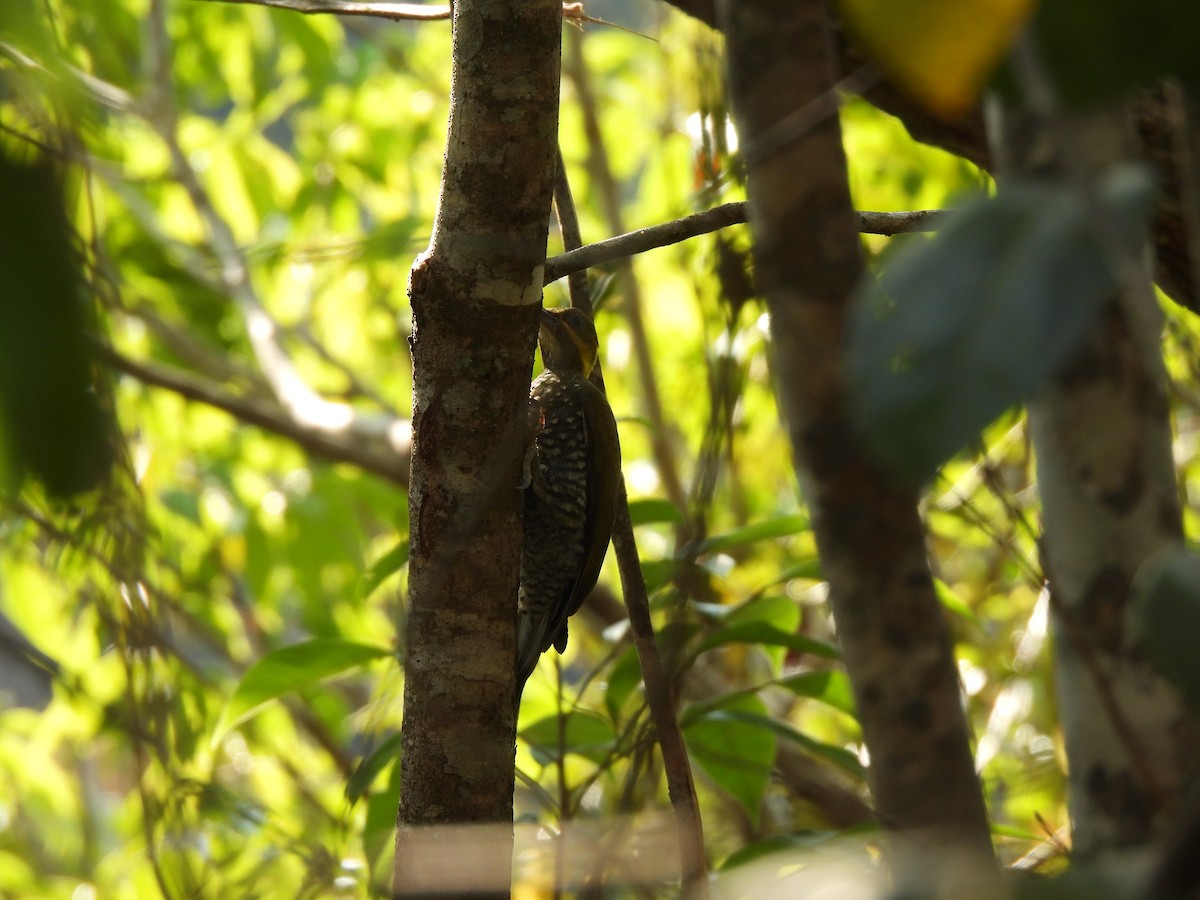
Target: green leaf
{"x":52,"y":421}
{"x":764,"y":633}
{"x":383,"y":568}
{"x":1098,"y":50}
{"x":582,"y":733}
{"x":1020,"y":834}
{"x":380,"y":825}
{"x":781,"y":613}
{"x":779,"y":843}
{"x":657,"y":572}
{"x":839,"y":756}
{"x":781,"y":526}
{"x":1167,"y":608}
{"x":958,"y":328}
{"x":653,"y":510}
{"x":623,"y":680}
{"x":288,"y":669}
{"x":830,"y":686}
{"x":734,"y":751}
{"x":371,"y":765}
{"x":954,"y":603}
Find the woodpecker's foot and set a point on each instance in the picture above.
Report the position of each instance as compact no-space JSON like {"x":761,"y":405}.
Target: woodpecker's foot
{"x":527,"y":468}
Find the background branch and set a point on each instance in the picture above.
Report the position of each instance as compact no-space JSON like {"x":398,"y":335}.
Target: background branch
{"x":736,"y":213}
{"x":681,"y":787}
{"x":381,"y":461}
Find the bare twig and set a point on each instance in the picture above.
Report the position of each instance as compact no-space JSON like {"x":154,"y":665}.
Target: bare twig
{"x":393,"y":467}
{"x":680,"y":787}
{"x":418,"y":12}
{"x":399,"y":12}
{"x":634,"y":242}
{"x":661,"y":433}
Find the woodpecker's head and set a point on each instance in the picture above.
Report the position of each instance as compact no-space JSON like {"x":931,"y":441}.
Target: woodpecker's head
{"x":568,"y":340}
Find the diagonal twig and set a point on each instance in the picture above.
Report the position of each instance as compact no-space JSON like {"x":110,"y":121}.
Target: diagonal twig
{"x":680,"y":786}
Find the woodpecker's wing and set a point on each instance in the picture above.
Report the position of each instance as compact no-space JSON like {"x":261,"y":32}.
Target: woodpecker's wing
{"x":603,"y":477}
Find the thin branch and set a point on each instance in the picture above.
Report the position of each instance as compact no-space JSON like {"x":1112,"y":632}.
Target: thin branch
{"x":382,"y":463}
{"x":663,"y":438}
{"x":413,"y":12}
{"x":673,"y":232}
{"x":398,"y":12}
{"x":680,"y":786}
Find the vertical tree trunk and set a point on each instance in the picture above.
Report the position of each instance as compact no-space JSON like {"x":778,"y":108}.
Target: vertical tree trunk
{"x":871,"y":540}
{"x":1102,"y":437}
{"x":475,"y":298}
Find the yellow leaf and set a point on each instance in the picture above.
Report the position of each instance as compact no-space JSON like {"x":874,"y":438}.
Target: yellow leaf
{"x":941,"y":51}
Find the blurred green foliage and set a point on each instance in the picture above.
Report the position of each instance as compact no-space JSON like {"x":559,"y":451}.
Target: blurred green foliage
{"x":169,"y":604}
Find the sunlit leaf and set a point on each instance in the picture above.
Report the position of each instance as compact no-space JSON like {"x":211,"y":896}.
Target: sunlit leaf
{"x":942,"y":52}
{"x":652,"y":510}
{"x":380,"y":825}
{"x":781,"y":526}
{"x":371,"y":765}
{"x":288,"y":669}
{"x":830,"y":686}
{"x":839,"y":756}
{"x":779,"y":612}
{"x":954,"y":603}
{"x":735,"y":753}
{"x":383,"y":568}
{"x":582,"y":733}
{"x":764,"y":633}
{"x":623,"y":680}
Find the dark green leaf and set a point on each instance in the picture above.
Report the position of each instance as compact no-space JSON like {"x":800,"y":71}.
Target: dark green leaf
{"x":652,"y":510}
{"x":584,"y":734}
{"x":1168,"y":610}
{"x":384,"y":567}
{"x":781,"y":526}
{"x":764,"y":633}
{"x":800,"y":840}
{"x":839,"y":756}
{"x":958,"y":328}
{"x":830,"y":686}
{"x":52,"y":423}
{"x":657,"y":572}
{"x":380,"y":826}
{"x":371,"y":765}
{"x":623,"y":680}
{"x":1098,"y":50}
{"x":287,"y":669}
{"x":735,"y":753}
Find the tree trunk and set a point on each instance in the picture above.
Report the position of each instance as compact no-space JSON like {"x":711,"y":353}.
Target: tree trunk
{"x":871,"y":540}
{"x":1102,"y":438}
{"x":475,"y":298}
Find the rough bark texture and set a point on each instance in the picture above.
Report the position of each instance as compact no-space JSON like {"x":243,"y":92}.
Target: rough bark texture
{"x":1102,"y":437}
{"x":871,"y":540}
{"x":475,"y":297}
